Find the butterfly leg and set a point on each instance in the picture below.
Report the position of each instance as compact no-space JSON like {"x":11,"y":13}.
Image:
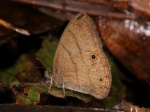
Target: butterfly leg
{"x":49,"y":78}
{"x":51,"y":82}
{"x":64,"y":90}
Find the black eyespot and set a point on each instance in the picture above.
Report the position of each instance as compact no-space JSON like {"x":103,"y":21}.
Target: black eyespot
{"x":101,"y":79}
{"x":93,"y":56}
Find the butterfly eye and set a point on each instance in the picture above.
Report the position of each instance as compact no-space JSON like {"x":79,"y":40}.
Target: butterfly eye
{"x":93,"y":56}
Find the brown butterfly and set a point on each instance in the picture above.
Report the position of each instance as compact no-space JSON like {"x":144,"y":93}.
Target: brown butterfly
{"x":80,"y":63}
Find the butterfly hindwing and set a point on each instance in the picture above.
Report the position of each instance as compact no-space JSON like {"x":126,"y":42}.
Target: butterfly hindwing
{"x":80,"y":63}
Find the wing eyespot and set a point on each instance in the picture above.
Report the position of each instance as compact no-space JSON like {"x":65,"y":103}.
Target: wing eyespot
{"x":101,"y":79}
{"x":93,"y":57}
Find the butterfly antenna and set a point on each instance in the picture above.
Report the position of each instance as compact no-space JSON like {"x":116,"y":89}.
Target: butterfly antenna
{"x":47,"y":72}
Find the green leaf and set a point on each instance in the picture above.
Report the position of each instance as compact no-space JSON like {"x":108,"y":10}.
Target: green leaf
{"x":23,"y":99}
{"x":34,"y":95}
{"x":47,"y":52}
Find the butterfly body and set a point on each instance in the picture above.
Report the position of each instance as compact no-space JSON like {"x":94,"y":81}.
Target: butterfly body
{"x":80,"y":63}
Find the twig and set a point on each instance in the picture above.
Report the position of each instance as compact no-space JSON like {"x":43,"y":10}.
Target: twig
{"x":128,"y":107}
{"x":11,"y":27}
{"x":78,"y":6}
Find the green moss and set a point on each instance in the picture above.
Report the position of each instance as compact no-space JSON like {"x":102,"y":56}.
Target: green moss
{"x":8,"y":75}
{"x":23,"y":99}
{"x":34,"y":95}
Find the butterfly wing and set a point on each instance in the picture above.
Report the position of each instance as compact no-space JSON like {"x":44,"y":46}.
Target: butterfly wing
{"x":80,"y":63}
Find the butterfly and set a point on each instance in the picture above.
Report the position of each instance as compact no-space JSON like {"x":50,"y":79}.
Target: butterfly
{"x":80,"y":63}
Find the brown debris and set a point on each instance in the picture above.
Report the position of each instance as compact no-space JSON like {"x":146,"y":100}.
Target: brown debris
{"x":129,"y":43}
{"x":127,"y":107}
